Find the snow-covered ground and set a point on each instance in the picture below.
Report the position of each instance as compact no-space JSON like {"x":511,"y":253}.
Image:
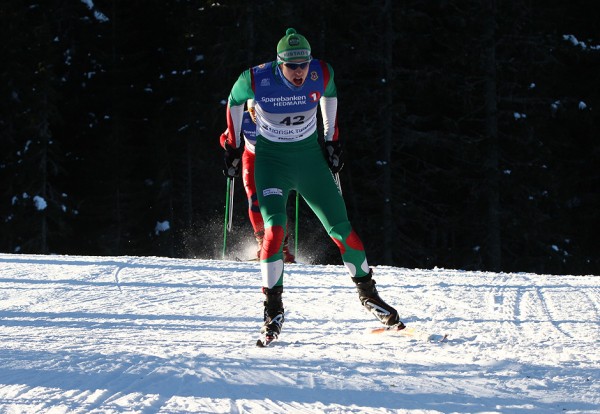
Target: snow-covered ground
{"x":149,"y":335}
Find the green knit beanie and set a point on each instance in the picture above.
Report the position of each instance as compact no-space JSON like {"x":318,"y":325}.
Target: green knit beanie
{"x":293,"y":47}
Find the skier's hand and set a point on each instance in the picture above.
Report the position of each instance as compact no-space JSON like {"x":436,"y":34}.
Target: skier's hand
{"x":233,"y":160}
{"x":223,"y":139}
{"x":334,"y":154}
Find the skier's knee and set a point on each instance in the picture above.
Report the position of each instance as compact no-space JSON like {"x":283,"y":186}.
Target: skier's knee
{"x":344,"y":236}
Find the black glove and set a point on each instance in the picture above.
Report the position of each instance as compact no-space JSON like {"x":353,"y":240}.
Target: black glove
{"x":233,"y":160}
{"x":334,"y":154}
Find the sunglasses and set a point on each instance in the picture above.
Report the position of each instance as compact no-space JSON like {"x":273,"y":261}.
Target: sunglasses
{"x":294,"y":66}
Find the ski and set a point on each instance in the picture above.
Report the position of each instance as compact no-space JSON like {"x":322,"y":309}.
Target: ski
{"x":252,"y":259}
{"x":255,"y":259}
{"x":411,"y":332}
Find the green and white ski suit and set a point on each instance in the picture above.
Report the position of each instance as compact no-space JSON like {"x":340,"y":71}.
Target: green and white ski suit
{"x":289,"y":157}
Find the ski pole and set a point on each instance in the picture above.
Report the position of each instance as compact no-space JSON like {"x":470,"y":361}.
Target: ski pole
{"x":231,"y":192}
{"x":296,"y":231}
{"x":228,"y":212}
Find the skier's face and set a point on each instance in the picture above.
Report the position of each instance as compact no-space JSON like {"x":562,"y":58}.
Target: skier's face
{"x":295,"y":72}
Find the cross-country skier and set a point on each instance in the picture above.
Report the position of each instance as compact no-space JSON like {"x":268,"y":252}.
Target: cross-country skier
{"x":248,"y":157}
{"x":287,"y":92}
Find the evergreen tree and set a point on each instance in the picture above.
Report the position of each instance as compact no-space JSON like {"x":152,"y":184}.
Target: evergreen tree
{"x":470,"y":127}
{"x":37,"y":218}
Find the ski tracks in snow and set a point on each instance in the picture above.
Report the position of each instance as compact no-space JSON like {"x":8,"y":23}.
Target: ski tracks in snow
{"x":148,"y":335}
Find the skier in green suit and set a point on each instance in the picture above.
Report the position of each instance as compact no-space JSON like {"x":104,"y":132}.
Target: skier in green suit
{"x":287,"y":93}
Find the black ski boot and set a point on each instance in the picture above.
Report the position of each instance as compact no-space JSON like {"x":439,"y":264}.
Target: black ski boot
{"x":369,"y":297}
{"x":274,"y":313}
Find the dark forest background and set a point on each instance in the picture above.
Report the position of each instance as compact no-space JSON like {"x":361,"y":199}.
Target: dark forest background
{"x":471,"y":127}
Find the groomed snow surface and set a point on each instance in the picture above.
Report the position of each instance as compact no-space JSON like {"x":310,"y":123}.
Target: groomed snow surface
{"x":160,"y":335}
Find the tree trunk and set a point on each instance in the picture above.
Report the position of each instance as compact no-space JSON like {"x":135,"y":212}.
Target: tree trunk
{"x":44,"y":138}
{"x":387,"y":125}
{"x":493,"y":253}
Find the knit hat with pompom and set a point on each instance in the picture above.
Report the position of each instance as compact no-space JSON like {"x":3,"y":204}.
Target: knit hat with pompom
{"x":293,"y":47}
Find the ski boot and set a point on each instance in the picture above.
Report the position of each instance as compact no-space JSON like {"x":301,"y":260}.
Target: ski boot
{"x":369,"y":297}
{"x":287,"y":256}
{"x":273,"y":316}
{"x":259,"y":240}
